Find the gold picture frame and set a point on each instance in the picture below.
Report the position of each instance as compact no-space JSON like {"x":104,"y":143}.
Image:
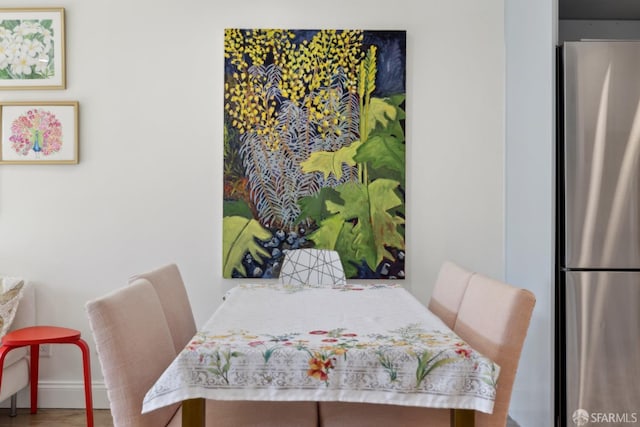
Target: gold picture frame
{"x":39,"y":132}
{"x":32,"y":48}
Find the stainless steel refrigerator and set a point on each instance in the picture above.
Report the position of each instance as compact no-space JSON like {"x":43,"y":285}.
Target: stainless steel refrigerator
{"x":598,"y":234}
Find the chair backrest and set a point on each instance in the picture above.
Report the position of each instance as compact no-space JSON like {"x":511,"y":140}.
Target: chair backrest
{"x":494,"y":319}
{"x":448,"y":291}
{"x":134,"y":347}
{"x":170,"y":288}
{"x":312,"y":267}
{"x":26,"y":312}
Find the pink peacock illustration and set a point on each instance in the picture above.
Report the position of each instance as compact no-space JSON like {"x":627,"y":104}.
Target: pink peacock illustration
{"x":38,"y":131}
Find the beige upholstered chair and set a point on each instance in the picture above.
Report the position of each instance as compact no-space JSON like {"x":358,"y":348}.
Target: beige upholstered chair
{"x":341,"y":414}
{"x":231,"y":413}
{"x":448,"y":291}
{"x":15,"y":373}
{"x":170,"y":288}
{"x":493,"y":318}
{"x":135,"y":345}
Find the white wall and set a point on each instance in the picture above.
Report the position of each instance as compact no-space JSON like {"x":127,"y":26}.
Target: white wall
{"x":148,"y":188}
{"x":530,"y":134}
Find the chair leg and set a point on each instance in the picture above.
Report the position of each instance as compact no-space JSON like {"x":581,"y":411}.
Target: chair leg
{"x":14,"y":405}
{"x":35,"y":361}
{"x":86,"y":366}
{"x":3,"y":353}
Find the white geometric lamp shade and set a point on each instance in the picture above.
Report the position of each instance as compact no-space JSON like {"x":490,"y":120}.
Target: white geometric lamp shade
{"x":312,"y":267}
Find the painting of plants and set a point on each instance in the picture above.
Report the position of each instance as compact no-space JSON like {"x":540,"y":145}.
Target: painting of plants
{"x":32,"y":48}
{"x":26,"y":49}
{"x":314,"y":149}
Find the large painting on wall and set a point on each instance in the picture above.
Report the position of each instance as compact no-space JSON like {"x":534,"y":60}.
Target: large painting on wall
{"x":314,"y":149}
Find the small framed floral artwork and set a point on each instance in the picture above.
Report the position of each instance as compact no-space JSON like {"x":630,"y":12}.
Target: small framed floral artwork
{"x":32,"y":54}
{"x":39,"y":132}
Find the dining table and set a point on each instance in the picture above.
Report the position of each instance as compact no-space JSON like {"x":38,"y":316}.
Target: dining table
{"x":370,"y":343}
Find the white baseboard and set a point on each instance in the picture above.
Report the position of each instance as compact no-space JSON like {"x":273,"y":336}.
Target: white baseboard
{"x":62,"y":394}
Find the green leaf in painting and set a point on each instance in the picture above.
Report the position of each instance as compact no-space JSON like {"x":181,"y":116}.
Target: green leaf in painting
{"x":365,"y":216}
{"x":10,"y":24}
{"x":47,"y":23}
{"x":240,"y":236}
{"x":383,"y":151}
{"x":315,"y":206}
{"x":380,"y":112}
{"x":367,"y":74}
{"x":330,"y":162}
{"x":236,"y":208}
{"x":395,"y":128}
{"x":350,"y":252}
{"x":330,"y":234}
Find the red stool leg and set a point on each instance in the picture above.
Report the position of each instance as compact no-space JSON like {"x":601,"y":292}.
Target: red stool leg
{"x":3,"y":353}
{"x":87,"y":379}
{"x":35,"y":360}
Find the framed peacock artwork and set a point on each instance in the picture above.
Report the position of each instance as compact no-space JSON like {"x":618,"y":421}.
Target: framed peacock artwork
{"x":39,"y":132}
{"x":314,"y":149}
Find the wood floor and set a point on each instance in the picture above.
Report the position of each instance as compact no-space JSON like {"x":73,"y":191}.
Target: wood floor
{"x":55,"y":418}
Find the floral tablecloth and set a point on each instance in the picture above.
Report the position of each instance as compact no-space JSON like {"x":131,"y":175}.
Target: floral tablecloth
{"x":369,"y":343}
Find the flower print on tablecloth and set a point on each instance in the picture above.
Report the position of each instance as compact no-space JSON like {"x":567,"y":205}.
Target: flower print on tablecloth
{"x":406,"y":356}
{"x":38,"y":132}
{"x":366,"y":344}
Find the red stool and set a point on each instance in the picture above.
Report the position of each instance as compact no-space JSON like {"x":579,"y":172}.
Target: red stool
{"x":33,"y":336}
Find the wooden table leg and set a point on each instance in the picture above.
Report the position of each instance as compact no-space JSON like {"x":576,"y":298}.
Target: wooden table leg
{"x":463,"y":418}
{"x":193,"y":413}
